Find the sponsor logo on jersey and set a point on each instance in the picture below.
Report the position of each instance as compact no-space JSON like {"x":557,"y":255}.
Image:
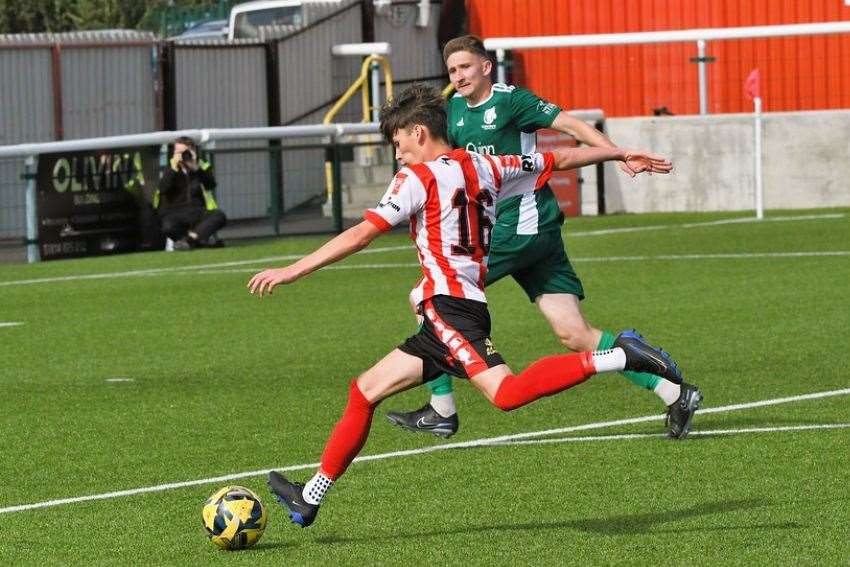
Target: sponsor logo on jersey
{"x":545,"y":107}
{"x":459,"y":123}
{"x":490,"y":149}
{"x":389,"y":204}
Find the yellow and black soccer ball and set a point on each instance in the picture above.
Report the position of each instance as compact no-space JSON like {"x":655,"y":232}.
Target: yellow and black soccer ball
{"x":234,"y":518}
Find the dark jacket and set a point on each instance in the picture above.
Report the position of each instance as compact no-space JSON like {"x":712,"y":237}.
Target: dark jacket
{"x":179,"y":190}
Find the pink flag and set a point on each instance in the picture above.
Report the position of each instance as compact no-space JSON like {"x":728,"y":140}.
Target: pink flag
{"x":752,"y":84}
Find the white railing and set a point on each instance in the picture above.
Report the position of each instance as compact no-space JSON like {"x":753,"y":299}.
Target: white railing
{"x":700,"y":36}
{"x":202,"y":136}
{"x":205,"y":137}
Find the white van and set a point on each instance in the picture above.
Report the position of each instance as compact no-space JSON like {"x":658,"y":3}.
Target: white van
{"x":246,"y":19}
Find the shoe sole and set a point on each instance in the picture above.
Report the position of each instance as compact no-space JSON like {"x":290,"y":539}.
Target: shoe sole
{"x":438,"y":432}
{"x":693,"y":406}
{"x":294,"y":516}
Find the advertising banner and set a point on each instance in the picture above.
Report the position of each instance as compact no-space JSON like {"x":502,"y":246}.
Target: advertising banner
{"x":94,"y":202}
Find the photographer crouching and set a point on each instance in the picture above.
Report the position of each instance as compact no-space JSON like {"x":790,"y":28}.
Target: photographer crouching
{"x":185,"y":202}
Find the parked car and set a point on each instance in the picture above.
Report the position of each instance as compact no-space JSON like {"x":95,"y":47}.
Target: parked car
{"x":247,"y":19}
{"x":209,"y":29}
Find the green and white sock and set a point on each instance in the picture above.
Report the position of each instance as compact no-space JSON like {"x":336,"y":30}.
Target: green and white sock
{"x":642,"y":379}
{"x":442,"y":398}
{"x":668,"y":391}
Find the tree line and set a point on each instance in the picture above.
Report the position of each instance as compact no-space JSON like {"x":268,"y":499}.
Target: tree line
{"x":37,"y":16}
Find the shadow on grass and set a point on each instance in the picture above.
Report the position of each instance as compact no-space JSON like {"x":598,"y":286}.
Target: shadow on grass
{"x":627,"y":524}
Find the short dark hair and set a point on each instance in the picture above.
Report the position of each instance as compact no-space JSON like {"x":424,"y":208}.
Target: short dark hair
{"x":417,"y":104}
{"x":188,"y":142}
{"x":471,"y":43}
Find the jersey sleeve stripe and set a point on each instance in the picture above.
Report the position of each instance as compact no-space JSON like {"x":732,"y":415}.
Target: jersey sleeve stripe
{"x":546,"y":174}
{"x":379,"y":221}
{"x":497,"y":175}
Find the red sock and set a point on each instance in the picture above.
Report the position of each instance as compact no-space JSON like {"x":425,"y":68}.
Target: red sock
{"x":349,"y":435}
{"x":545,"y":377}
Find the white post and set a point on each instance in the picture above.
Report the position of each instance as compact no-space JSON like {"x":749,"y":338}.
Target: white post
{"x":703,"y":77}
{"x":758,"y":168}
{"x":32,"y":214}
{"x":501,"y":75}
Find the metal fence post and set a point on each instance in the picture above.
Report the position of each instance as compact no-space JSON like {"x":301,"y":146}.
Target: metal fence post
{"x":32,"y":214}
{"x":275,"y":189}
{"x":600,"y":177}
{"x":336,"y":202}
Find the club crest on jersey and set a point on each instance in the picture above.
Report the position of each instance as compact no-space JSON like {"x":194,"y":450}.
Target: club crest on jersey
{"x":489,"y":118}
{"x":397,"y":183}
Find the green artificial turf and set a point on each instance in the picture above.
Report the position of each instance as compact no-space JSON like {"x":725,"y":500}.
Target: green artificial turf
{"x":216,"y":382}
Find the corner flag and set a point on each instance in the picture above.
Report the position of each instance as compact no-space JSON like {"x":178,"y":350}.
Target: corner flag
{"x":752,"y":84}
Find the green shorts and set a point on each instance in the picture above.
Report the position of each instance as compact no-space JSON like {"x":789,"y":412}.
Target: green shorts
{"x":537,"y":262}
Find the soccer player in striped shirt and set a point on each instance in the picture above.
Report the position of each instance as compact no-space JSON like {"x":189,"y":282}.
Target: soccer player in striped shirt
{"x":449,"y":196}
{"x":527,"y":245}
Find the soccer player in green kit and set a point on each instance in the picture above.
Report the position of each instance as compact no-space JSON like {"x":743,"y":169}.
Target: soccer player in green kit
{"x":526,"y":242}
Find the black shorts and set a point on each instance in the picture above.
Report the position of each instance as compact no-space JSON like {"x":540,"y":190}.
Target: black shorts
{"x":454,"y":338}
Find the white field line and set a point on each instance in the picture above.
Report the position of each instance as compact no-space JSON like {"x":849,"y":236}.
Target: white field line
{"x":157,"y":271}
{"x":707,"y":433}
{"x":661,"y":257}
{"x":212,"y":269}
{"x":11,"y":324}
{"x":489,"y":441}
{"x":721,"y":222}
{"x":271,"y":259}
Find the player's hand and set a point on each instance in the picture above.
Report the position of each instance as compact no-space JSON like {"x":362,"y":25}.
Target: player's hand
{"x":624,"y":167}
{"x":641,"y":162}
{"x":267,"y":280}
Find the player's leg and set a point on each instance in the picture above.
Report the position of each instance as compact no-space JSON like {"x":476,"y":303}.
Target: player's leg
{"x":553,"y":374}
{"x":564,"y":315}
{"x":439,"y":416}
{"x":396,"y":372}
{"x":557,"y":290}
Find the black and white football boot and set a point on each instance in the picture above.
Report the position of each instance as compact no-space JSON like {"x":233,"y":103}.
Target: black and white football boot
{"x":290,"y":496}
{"x":643,"y":357}
{"x":681,"y":412}
{"x":425,"y":420}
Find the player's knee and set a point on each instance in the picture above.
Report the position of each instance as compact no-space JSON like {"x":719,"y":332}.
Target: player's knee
{"x":506,"y":396}
{"x":576,"y":337}
{"x":361,"y":395}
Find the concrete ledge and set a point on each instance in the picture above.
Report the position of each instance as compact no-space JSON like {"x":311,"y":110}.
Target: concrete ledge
{"x":806,"y":163}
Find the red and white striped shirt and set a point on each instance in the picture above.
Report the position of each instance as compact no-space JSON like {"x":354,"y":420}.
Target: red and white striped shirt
{"x":451,"y":206}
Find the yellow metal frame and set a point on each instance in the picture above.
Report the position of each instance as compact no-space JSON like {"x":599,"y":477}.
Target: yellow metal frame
{"x":361,"y":83}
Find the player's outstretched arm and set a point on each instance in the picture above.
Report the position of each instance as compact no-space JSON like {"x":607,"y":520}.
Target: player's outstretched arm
{"x":352,"y":240}
{"x":637,"y":161}
{"x":587,"y":134}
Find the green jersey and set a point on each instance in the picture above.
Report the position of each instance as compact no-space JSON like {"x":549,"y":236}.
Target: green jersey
{"x":506,"y":123}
